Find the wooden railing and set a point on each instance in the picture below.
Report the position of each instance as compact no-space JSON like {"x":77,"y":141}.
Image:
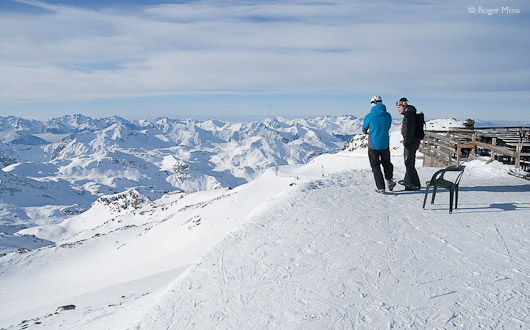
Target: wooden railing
{"x":448,"y":147}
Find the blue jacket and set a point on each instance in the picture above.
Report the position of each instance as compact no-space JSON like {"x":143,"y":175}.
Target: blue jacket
{"x":379,"y":122}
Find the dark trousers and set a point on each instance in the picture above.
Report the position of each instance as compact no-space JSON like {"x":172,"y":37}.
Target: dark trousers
{"x":378,"y":158}
{"x":411,"y":175}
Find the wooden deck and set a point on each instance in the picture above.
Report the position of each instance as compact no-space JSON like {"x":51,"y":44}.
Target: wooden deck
{"x":509,"y":144}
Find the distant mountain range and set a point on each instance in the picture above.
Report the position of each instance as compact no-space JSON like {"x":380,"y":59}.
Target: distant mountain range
{"x":58,"y":167}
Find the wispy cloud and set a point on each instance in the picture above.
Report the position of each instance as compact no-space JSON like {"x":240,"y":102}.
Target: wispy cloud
{"x":432,"y":48}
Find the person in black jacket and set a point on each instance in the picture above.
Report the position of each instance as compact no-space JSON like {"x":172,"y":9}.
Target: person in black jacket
{"x":411,"y":144}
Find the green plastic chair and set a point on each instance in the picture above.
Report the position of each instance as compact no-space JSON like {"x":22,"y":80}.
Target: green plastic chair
{"x":438,"y":180}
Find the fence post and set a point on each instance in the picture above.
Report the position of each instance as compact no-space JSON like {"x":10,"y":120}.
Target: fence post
{"x":473,"y":140}
{"x":493,"y":143}
{"x":518,"y":155}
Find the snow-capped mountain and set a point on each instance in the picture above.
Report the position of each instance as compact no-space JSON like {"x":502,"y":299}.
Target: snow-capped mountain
{"x":54,"y":168}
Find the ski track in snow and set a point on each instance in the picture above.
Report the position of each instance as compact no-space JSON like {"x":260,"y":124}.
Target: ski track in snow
{"x":331,"y":254}
{"x":310,"y":263}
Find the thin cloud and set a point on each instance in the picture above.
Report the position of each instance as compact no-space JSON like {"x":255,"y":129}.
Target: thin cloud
{"x":437,"y":49}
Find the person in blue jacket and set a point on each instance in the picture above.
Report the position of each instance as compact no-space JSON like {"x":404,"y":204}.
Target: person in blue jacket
{"x":377,"y":124}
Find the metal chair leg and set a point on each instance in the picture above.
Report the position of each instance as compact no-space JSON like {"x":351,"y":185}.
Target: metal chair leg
{"x":451,"y":197}
{"x":456,"y":197}
{"x":426,"y":194}
{"x":433,"y":193}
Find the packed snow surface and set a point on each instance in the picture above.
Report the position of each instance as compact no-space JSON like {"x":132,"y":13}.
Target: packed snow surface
{"x":301,"y":247}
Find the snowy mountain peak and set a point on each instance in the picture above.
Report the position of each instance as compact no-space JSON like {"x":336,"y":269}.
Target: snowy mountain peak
{"x":87,"y":158}
{"x":70,"y":124}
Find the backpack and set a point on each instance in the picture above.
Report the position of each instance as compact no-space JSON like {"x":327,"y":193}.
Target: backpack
{"x":420,"y":123}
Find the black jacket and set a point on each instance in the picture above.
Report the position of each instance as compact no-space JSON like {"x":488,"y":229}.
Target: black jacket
{"x":409,"y":125}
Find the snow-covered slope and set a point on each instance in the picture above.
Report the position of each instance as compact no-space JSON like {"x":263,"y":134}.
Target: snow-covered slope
{"x":443,"y":124}
{"x":54,"y":168}
{"x":301,"y":247}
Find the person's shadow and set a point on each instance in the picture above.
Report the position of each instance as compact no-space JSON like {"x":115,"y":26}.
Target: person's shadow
{"x":496,"y":207}
{"x":506,"y":206}
{"x":499,"y":189}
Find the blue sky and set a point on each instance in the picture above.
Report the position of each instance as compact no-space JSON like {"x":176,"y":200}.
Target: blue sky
{"x":255,"y":59}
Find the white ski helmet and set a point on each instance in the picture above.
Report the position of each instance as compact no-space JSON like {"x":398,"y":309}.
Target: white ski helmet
{"x":376,"y":99}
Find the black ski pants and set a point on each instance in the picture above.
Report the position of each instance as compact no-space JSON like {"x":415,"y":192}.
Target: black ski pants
{"x":378,"y":158}
{"x":411,"y":175}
